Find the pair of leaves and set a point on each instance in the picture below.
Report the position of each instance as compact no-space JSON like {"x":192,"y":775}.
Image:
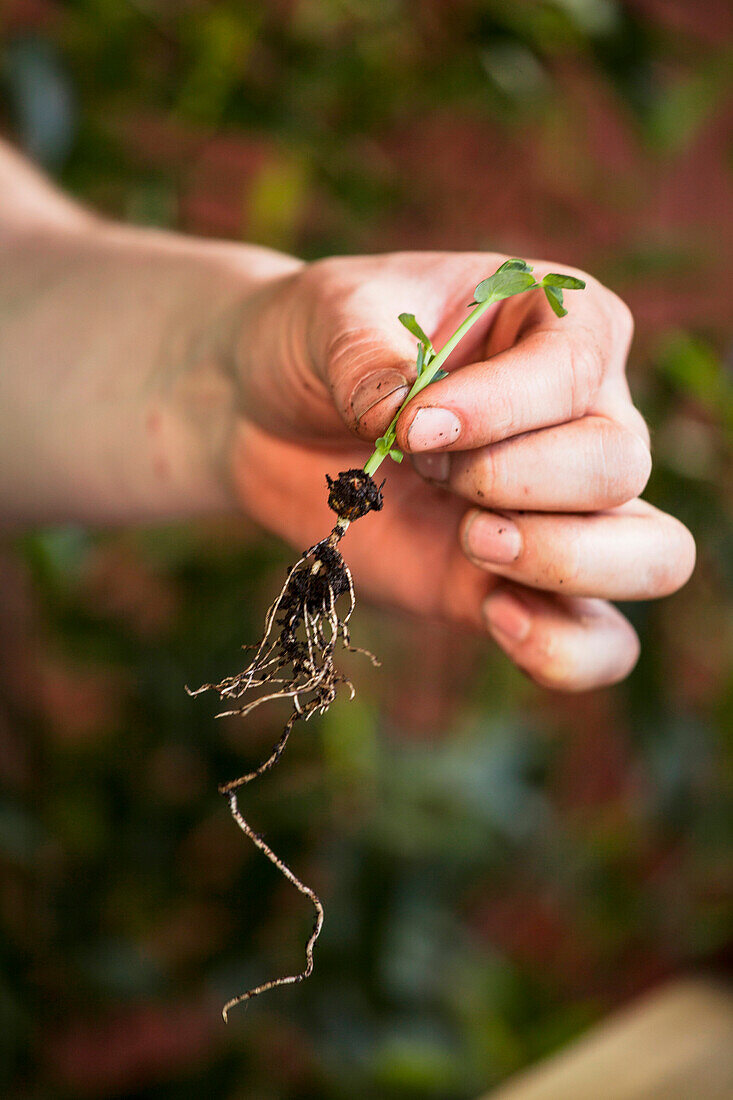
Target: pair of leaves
{"x":553,"y":286}
{"x":385,"y":445}
{"x":515,"y":276}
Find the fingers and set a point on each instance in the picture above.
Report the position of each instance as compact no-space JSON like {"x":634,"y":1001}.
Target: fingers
{"x":587,"y":465}
{"x":633,"y":552}
{"x":614,"y":401}
{"x":567,"y":644}
{"x":549,"y":370}
{"x":550,"y":376}
{"x":407,"y":555}
{"x":545,"y":370}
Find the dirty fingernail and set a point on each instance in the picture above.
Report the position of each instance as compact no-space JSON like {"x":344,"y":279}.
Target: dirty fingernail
{"x":433,"y":428}
{"x":432,"y":467}
{"x":507,"y":617}
{"x":493,"y":539}
{"x":373,"y":388}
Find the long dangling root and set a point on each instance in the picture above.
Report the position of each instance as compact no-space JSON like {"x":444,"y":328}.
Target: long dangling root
{"x":303,"y":629}
{"x":288,"y":979}
{"x":230,"y":790}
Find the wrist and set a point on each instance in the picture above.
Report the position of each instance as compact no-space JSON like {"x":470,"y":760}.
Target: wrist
{"x":119,"y":392}
{"x":206,"y":297}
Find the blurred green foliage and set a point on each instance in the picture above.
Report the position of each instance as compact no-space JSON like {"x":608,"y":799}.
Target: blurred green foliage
{"x":500,"y":866}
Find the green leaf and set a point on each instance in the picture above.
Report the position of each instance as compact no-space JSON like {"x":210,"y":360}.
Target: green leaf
{"x":396,"y":454}
{"x":692,"y":366}
{"x":514,"y":264}
{"x":408,"y":320}
{"x":440,"y":373}
{"x":385,"y":442}
{"x":504,"y":284}
{"x":420,"y":359}
{"x":567,"y":282}
{"x":554,"y":297}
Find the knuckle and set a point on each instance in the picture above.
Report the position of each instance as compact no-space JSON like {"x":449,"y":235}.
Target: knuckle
{"x":638,"y":425}
{"x":508,"y":408}
{"x":581,"y":366}
{"x":317,"y":281}
{"x":325,"y":273}
{"x":586,"y":368}
{"x":616,"y":322}
{"x":621,"y":465}
{"x":571,"y":387}
{"x":334,"y":288}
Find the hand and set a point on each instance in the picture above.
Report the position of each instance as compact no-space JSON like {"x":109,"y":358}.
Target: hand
{"x":519,"y":513}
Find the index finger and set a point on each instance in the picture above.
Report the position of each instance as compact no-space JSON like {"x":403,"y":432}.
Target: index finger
{"x":550,"y":376}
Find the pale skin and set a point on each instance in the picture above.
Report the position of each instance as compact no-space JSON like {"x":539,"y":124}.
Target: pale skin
{"x":148,"y":375}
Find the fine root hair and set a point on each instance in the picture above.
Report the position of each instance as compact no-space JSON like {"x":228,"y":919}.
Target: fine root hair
{"x":295,"y":660}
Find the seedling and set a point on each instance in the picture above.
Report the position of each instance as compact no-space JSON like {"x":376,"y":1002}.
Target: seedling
{"x":309,"y":620}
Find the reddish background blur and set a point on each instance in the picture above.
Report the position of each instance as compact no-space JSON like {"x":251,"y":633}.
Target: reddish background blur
{"x":500,"y":865}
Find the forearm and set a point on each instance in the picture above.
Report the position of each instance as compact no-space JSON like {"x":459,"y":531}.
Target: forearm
{"x":117,"y":384}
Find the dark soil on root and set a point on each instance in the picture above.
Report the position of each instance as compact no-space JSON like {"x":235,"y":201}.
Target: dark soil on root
{"x":353,"y":493}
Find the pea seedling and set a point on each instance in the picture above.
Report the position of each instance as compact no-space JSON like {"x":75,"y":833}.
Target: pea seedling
{"x":309,"y":619}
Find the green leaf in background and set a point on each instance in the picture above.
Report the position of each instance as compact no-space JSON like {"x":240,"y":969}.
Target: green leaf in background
{"x":504,"y":283}
{"x":277,"y":198}
{"x":420,"y":359}
{"x":554,"y":297}
{"x":567,"y":282}
{"x":693,"y":367}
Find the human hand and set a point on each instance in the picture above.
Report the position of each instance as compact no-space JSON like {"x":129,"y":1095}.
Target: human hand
{"x":174,"y":362}
{"x":520,"y":513}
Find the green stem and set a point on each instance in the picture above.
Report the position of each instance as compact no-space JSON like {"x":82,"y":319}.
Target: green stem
{"x":379,"y":455}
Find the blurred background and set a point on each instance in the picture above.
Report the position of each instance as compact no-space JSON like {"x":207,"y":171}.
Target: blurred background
{"x":500,"y":865}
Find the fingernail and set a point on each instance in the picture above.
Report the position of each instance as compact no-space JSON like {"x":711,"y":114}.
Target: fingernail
{"x":493,"y":539}
{"x":507,"y":617}
{"x":433,"y":428}
{"x":432,"y":467}
{"x":372,"y":389}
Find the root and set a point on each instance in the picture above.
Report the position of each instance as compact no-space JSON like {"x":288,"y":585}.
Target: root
{"x":304,"y":627}
{"x":230,"y":790}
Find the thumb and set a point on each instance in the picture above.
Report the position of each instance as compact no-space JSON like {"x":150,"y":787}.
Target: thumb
{"x":370,"y":370}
